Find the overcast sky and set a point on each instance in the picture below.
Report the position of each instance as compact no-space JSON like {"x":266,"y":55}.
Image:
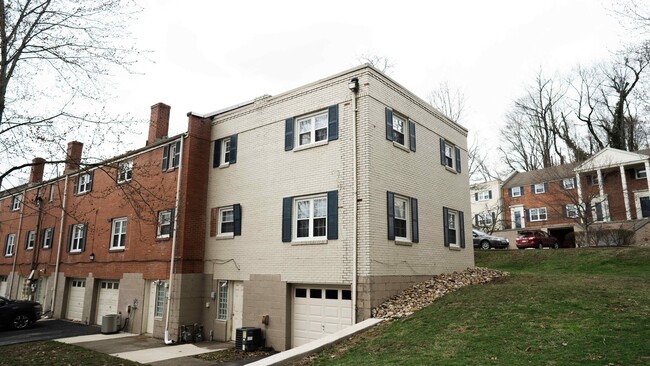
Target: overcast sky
{"x":207,"y":55}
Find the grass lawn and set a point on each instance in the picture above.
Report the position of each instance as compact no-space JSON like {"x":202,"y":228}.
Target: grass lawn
{"x":53,"y":353}
{"x":558,"y":307}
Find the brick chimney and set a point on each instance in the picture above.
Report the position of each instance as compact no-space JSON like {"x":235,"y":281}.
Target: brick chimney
{"x":36,"y":175}
{"x":159,"y":123}
{"x":73,"y":156}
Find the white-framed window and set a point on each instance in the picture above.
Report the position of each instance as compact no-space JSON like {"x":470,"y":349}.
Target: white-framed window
{"x":568,"y":183}
{"x":160,"y":299}
{"x":15,"y":202}
{"x":539,"y":188}
{"x":164,"y":224}
{"x":48,"y":237}
{"x":515,"y":191}
{"x":124,"y":171}
{"x":222,"y":301}
{"x":226,"y":221}
{"x":484,"y":218}
{"x":399,"y":129}
{"x":452,"y":228}
{"x":449,"y":155}
{"x":537,"y":214}
{"x":401,"y":207}
{"x":110,"y":285}
{"x":9,"y":245}
{"x":484,"y":195}
{"x":118,"y":236}
{"x":84,"y":182}
{"x":640,"y":173}
{"x":311,"y":217}
{"x":312,"y":129}
{"x":171,"y":156}
{"x":225,"y":150}
{"x":51,"y":198}
{"x":30,"y":238}
{"x":77,"y":239}
{"x":571,"y":211}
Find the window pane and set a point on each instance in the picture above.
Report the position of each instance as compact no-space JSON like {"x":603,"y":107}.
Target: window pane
{"x":304,"y":209}
{"x":227,"y":216}
{"x":303,"y":228}
{"x":301,"y":292}
{"x":346,"y":295}
{"x":227,"y":227}
{"x":321,"y":134}
{"x":321,"y":121}
{"x":304,"y":126}
{"x":398,"y":125}
{"x":452,"y":221}
{"x":315,"y":293}
{"x":400,"y":209}
{"x":332,"y":294}
{"x":400,"y":228}
{"x":451,"y":233}
{"x":320,"y":227}
{"x":305,"y":138}
{"x":320,"y":207}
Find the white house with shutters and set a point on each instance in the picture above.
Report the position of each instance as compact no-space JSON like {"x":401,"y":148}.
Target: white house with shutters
{"x":326,"y":200}
{"x":487,"y":205}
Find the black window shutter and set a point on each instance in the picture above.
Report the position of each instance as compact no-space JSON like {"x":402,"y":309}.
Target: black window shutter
{"x":510,"y":192}
{"x":288,"y":134}
{"x":545,"y":187}
{"x":494,"y":216}
{"x":390,"y":205}
{"x":70,"y":230}
{"x":332,"y":215}
{"x":527,"y":214}
{"x":415,"y":233}
{"x":165,"y":158}
{"x":445,"y":224}
{"x":389,"y":124}
{"x":442,"y":151}
{"x":83,"y":240}
{"x":476,"y":196}
{"x":490,"y":194}
{"x":575,"y":183}
{"x":412,"y":135}
{"x":26,"y":239}
{"x":236,"y":211}
{"x":521,"y":190}
{"x":75,"y":184}
{"x":43,"y":238}
{"x":461,"y":220}
{"x":458,"y":169}
{"x":233,"y":149}
{"x":532,"y":188}
{"x":4,"y":250}
{"x":91,"y":177}
{"x":476,"y":220}
{"x":171,"y":223}
{"x":286,"y":219}
{"x":333,"y":122}
{"x":217,"y":153}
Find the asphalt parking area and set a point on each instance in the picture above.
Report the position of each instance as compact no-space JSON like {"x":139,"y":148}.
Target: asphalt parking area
{"x":46,"y":329}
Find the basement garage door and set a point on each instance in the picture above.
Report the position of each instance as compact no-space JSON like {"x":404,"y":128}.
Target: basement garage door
{"x":76,"y":294}
{"x":109,"y":293}
{"x":318,"y":311}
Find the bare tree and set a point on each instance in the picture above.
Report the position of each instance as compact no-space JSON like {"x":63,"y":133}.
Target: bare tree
{"x":381,"y":63}
{"x":56,"y":58}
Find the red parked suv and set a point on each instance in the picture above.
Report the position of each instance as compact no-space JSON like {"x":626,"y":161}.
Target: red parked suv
{"x":536,"y":239}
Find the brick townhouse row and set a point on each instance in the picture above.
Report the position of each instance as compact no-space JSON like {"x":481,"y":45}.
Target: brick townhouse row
{"x":296,"y":213}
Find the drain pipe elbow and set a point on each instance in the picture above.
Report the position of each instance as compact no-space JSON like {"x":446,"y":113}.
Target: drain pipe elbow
{"x":168,"y":341}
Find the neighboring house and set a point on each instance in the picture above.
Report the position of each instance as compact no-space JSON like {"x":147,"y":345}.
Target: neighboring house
{"x":610,"y":187}
{"x":326,"y":200}
{"x":487,"y":205}
{"x":98,"y":240}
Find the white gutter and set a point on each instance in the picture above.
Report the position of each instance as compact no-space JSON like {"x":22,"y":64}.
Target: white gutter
{"x":168,"y":340}
{"x":60,"y":240}
{"x":16,"y":241}
{"x":355,"y":204}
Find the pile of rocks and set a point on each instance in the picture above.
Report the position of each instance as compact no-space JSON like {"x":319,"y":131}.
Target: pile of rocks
{"x":425,"y":293}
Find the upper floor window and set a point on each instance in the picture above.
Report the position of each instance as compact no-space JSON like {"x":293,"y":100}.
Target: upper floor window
{"x":568,"y":183}
{"x":30,"y":238}
{"x":483,"y":195}
{"x":516,"y":191}
{"x":571,"y":211}
{"x":124,"y":171}
{"x":312,"y":129}
{"x":83,"y":182}
{"x":225,"y":151}
{"x":171,"y":156}
{"x":592,"y":180}
{"x":226,"y":220}
{"x":10,"y":242}
{"x":402,"y":218}
{"x":48,"y":237}
{"x":484,"y":218}
{"x":640,"y":173}
{"x":15,"y":202}
{"x":118,"y":237}
{"x":449,"y":155}
{"x":537,"y":214}
{"x":309,"y":217}
{"x":164,"y":224}
{"x":77,"y":235}
{"x":538,"y":188}
{"x":400,"y":130}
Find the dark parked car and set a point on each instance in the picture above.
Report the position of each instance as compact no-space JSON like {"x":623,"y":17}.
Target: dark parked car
{"x":19,"y":314}
{"x":536,"y":239}
{"x":486,"y":241}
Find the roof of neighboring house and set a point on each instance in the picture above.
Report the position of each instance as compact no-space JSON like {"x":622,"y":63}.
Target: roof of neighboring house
{"x":541,"y":175}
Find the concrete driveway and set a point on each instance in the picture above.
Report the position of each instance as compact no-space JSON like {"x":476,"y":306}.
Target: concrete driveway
{"x":46,"y":329}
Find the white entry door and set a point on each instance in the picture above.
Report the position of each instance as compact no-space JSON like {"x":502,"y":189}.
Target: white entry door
{"x":3,"y":286}
{"x":107,"y":297}
{"x":76,"y":293}
{"x":151,"y":307}
{"x":237,"y":307}
{"x":518,"y":219}
{"x":318,"y":311}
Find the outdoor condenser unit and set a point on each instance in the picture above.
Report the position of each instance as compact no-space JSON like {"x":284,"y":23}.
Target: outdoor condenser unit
{"x":248,"y":339}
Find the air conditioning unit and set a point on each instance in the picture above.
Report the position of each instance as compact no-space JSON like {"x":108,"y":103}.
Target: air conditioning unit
{"x":248,"y":339}
{"x":110,"y":323}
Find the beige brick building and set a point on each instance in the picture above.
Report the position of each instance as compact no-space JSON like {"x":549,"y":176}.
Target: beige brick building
{"x":326,"y":200}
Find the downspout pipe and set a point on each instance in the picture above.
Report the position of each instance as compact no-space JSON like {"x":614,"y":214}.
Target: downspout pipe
{"x":59,"y":242}
{"x":354,"y":90}
{"x":168,"y":340}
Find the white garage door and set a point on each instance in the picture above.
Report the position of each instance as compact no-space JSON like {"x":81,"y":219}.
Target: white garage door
{"x":76,"y":294}
{"x":107,"y":297}
{"x":3,"y":286}
{"x":318,"y":311}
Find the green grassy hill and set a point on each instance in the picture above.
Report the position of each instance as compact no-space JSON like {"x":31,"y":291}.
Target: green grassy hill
{"x":558,"y":307}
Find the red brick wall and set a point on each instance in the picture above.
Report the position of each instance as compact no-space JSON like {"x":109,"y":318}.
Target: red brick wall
{"x":554,"y":200}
